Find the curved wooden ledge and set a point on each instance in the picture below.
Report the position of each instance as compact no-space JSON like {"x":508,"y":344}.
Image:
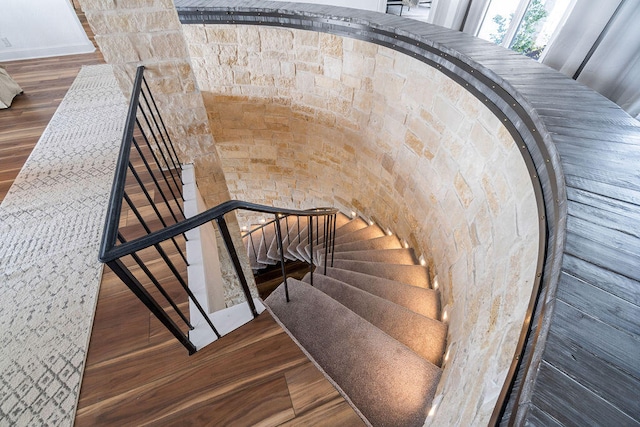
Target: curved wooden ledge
{"x":580,"y":149}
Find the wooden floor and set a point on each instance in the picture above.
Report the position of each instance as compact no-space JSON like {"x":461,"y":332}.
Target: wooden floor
{"x":44,"y":81}
{"x":136,"y":372}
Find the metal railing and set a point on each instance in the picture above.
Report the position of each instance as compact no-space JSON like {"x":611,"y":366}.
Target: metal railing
{"x":320,"y":232}
{"x":145,"y":220}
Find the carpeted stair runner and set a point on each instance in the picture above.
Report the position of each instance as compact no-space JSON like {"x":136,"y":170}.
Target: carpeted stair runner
{"x":290,"y":228}
{"x":366,"y":233}
{"x":252,"y":244}
{"x":371,"y":321}
{"x":363,"y":234}
{"x":386,"y":242}
{"x":341,"y":221}
{"x":390,"y":384}
{"x":268,"y":234}
{"x":391,"y":256}
{"x":422,"y":301}
{"x":400,"y":323}
{"x":296,"y":235}
{"x":415,"y":275}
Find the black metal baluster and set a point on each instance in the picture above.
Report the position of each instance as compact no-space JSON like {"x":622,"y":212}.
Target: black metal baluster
{"x":311,"y":243}
{"x":333,"y":241}
{"x":327,"y":241}
{"x":286,"y":222}
{"x":281,"y":249}
{"x":264,"y":237}
{"x":153,"y":114}
{"x":136,"y":287}
{"x":253,"y":246}
{"x":166,"y":163}
{"x":226,"y":236}
{"x":163,"y":126}
{"x":177,"y":167}
{"x":155,"y":159}
{"x":185,"y":287}
{"x":146,"y":227}
{"x":317,"y":234}
{"x":172,"y":267}
{"x":164,"y":293}
{"x":155,"y":180}
{"x":155,"y":208}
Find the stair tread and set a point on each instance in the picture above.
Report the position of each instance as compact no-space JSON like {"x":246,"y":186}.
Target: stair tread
{"x":267,"y":233}
{"x":420,"y":300}
{"x":272,"y":252}
{"x":353,"y":225}
{"x":296,"y":230}
{"x":292,"y":227}
{"x":389,"y":256}
{"x":415,"y":275}
{"x":384,"y":242}
{"x":425,"y":336}
{"x":385,"y":380}
{"x":252,"y":251}
{"x":341,"y":220}
{"x":366,"y":233}
{"x":356,"y":230}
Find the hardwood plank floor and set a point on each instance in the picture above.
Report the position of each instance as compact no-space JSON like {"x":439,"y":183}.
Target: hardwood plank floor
{"x":136,"y":372}
{"x":44,"y":81}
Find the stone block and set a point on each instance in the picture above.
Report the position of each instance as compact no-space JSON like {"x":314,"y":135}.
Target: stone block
{"x":365,"y":48}
{"x":97,"y":5}
{"x":484,"y":142}
{"x":445,"y":112}
{"x":117,"y":48}
{"x":221,"y":35}
{"x":354,"y":65}
{"x":465,"y":195}
{"x":414,"y":143}
{"x":162,"y":21}
{"x":97,"y":22}
{"x":330,"y":45}
{"x":168,"y":45}
{"x":306,"y":38}
{"x":273,"y":39}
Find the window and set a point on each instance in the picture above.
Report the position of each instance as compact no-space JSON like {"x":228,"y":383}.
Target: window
{"x":525,"y":26}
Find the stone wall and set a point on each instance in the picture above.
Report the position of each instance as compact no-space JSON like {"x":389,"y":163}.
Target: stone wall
{"x":147,"y":32}
{"x":303,"y":119}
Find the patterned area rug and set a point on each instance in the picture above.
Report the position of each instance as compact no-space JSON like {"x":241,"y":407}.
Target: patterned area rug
{"x":50,"y":224}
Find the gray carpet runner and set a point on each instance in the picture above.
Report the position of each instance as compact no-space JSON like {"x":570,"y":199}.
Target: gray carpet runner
{"x":421,"y":300}
{"x":415,"y":275}
{"x":391,"y":256}
{"x":399,"y":322}
{"x":371,"y":321}
{"x":388,"y":383}
{"x":386,"y":242}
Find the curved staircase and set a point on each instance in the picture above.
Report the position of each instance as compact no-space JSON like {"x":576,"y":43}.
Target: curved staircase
{"x":370,"y":321}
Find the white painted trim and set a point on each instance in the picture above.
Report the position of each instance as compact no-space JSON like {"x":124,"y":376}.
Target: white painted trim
{"x":205,"y":275}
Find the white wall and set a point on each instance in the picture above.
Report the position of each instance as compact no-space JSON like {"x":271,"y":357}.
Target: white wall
{"x":40,"y":28}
